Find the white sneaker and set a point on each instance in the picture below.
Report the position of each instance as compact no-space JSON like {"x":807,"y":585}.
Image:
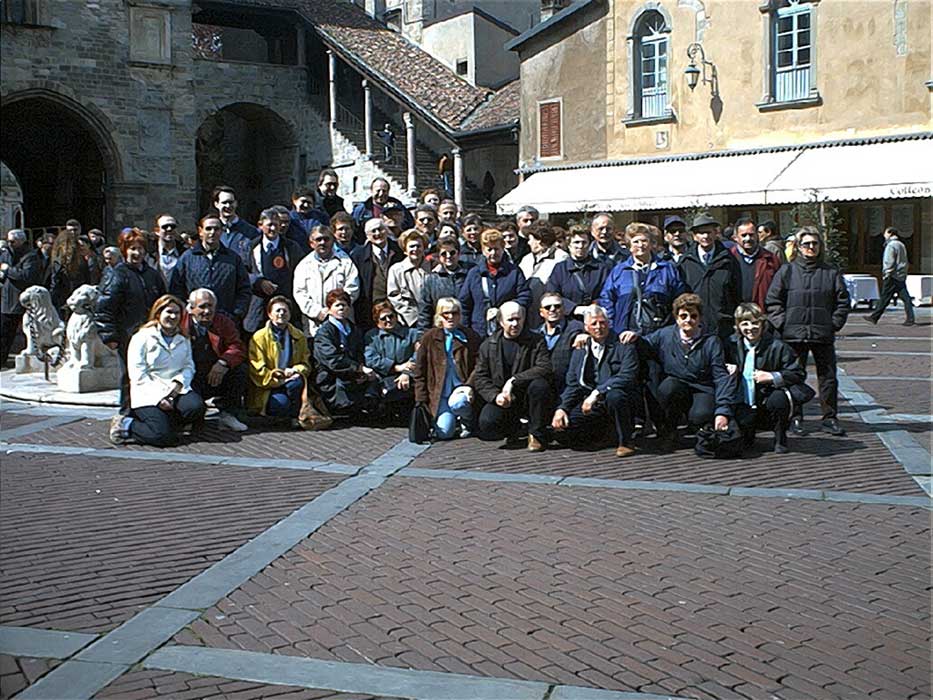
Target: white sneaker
{"x":230,"y":422}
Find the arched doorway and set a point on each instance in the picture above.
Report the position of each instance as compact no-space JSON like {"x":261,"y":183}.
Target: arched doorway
{"x":11,"y":200}
{"x":251,"y":149}
{"x":60,"y":159}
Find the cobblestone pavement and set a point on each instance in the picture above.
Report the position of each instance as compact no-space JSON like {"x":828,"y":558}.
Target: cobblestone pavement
{"x":351,"y":565}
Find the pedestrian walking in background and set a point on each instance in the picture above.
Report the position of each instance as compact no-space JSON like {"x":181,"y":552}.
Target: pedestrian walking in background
{"x":445,"y":169}
{"x":808,"y":303}
{"x":387,"y":136}
{"x":893,"y":278}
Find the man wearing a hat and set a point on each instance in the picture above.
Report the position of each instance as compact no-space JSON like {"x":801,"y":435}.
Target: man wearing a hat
{"x":676,"y":238}
{"x":713,"y":273}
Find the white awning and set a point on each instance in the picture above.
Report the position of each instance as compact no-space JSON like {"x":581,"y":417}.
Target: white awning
{"x":893,"y":170}
{"x":866,"y":171}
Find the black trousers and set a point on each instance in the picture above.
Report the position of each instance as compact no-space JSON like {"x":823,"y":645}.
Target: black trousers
{"x":153,"y":426}
{"x":773,"y":413}
{"x":614,"y":412}
{"x":9,"y":326}
{"x":124,"y":379}
{"x":678,"y":399}
{"x":824,"y":357}
{"x":229,"y":392}
{"x":536,"y":402}
{"x":891,"y":288}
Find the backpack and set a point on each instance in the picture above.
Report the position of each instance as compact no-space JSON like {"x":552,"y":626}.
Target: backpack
{"x":720,"y":444}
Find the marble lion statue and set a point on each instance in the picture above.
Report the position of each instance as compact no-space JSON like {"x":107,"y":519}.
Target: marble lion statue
{"x":42,"y":325}
{"x":85,"y":348}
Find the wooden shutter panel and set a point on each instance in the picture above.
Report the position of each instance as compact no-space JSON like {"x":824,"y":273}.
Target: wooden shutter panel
{"x":549,"y":119}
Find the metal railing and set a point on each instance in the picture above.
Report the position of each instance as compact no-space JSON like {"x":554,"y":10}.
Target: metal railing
{"x":346,"y":117}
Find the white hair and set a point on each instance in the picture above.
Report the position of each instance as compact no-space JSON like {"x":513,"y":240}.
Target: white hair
{"x":16,"y":234}
{"x":201,"y":292}
{"x":594,"y":310}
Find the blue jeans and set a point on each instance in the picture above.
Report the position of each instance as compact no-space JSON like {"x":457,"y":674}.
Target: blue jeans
{"x":285,"y":401}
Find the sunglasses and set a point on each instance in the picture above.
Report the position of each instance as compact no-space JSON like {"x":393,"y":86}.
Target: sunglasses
{"x":387,"y":317}
{"x":168,"y":227}
{"x":552,"y":307}
{"x":447,"y":253}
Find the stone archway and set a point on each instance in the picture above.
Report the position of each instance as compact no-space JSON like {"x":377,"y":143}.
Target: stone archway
{"x":253,"y":150}
{"x":61,"y":156}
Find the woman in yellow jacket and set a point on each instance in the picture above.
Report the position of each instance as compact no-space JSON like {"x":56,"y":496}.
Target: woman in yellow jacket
{"x":278,"y":364}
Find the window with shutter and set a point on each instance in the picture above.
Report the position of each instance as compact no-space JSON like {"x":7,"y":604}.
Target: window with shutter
{"x":549,"y":136}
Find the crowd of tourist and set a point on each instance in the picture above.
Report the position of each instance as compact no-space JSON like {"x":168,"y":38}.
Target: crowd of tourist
{"x":515,"y":330}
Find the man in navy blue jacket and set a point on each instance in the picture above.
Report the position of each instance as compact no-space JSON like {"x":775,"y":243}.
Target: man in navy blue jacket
{"x":601,"y":386}
{"x":304,"y":216}
{"x":490,"y":284}
{"x":580,"y":278}
{"x":209,"y":264}
{"x":236,"y":235}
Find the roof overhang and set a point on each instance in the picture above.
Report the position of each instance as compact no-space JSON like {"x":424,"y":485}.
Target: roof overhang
{"x":884,"y":170}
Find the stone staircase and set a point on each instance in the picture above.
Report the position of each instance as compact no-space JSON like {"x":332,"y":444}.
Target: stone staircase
{"x":396,"y":171}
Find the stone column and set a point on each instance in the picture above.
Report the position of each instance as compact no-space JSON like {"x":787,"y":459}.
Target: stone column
{"x":458,"y":176}
{"x":368,"y":117}
{"x":411,"y":155}
{"x":332,"y":80}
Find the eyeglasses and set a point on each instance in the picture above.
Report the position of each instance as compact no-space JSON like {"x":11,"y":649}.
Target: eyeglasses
{"x":387,"y":317}
{"x":447,"y":253}
{"x":810,"y":244}
{"x":168,"y":227}
{"x":449,"y":314}
{"x":552,"y":307}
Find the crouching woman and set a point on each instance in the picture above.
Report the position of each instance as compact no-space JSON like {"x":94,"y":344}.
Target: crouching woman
{"x":279,"y":364}
{"x":160,"y":368}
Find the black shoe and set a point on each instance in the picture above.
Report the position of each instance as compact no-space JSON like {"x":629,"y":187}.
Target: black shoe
{"x":871,"y":319}
{"x":796,"y":427}
{"x":831,"y":426}
{"x":909,"y":322}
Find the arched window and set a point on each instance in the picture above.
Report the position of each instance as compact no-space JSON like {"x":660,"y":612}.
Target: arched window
{"x":790,"y":69}
{"x":649,"y":50}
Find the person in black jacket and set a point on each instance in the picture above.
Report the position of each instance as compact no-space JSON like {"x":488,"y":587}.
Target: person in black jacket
{"x":19,"y":268}
{"x":602,"y":383}
{"x":696,"y":383}
{"x":445,"y":280}
{"x":580,"y":278}
{"x":513,"y":376}
{"x":124,"y":302}
{"x":770,"y":376}
{"x":373,"y":260}
{"x":347,"y":385}
{"x":558,"y":332}
{"x":712,"y":272}
{"x":808,"y":303}
{"x":271,"y":270}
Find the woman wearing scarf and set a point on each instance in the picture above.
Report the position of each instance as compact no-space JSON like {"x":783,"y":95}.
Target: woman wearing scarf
{"x":278,"y":364}
{"x":347,"y":385}
{"x":443,"y":366}
{"x":390,"y":351}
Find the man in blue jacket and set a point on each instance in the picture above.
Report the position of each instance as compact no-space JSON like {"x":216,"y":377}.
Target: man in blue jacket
{"x":304,"y":216}
{"x":490,"y":284}
{"x":601,"y":387}
{"x":236,"y":235}
{"x":377,"y":203}
{"x":580,"y":278}
{"x":210,"y":264}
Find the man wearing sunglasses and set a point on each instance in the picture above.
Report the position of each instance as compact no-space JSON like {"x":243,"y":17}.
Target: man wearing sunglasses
{"x":168,"y":247}
{"x":808,"y":303}
{"x":559,"y":333}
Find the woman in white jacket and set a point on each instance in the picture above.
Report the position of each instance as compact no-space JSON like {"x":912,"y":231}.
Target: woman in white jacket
{"x":406,"y":278}
{"x":160,"y":368}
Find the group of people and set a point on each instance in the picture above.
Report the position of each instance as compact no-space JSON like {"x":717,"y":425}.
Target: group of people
{"x":520,"y":330}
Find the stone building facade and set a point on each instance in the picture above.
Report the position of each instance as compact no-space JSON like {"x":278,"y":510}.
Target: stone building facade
{"x":116,"y":111}
{"x":771,"y":90}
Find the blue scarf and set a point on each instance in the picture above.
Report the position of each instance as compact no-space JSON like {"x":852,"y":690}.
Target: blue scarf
{"x":449,"y":339}
{"x":284,"y":340}
{"x":344,"y":329}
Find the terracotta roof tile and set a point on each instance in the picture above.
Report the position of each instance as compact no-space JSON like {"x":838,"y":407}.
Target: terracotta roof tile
{"x":504,"y":107}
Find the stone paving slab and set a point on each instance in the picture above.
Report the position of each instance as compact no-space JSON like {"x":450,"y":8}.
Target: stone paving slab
{"x":85,"y":544}
{"x":16,"y":673}
{"x":354,"y":445}
{"x":857,"y":463}
{"x":152,"y":684}
{"x":694,"y":595}
{"x":901,"y":397}
{"x":869,"y":365}
{"x":10,"y":420}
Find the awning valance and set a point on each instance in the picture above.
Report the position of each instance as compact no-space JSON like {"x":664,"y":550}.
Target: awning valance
{"x":864,"y":171}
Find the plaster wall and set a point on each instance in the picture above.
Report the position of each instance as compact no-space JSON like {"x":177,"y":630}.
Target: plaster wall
{"x":870,"y":75}
{"x":452,"y":40}
{"x":565,"y":70}
{"x":492,"y":65}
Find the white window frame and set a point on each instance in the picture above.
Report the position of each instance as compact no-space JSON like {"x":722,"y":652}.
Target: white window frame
{"x":774,"y":93}
{"x":640,"y":34}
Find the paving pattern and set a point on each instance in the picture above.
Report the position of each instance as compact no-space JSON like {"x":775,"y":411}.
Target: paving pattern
{"x":354,"y":445}
{"x":149,"y":685}
{"x":688,"y":594}
{"x":10,"y":420}
{"x":84,"y":545}
{"x":18,"y":673}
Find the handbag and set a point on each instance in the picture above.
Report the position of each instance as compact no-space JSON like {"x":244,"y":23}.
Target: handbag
{"x":720,"y":444}
{"x":419,"y":425}
{"x":314,"y":414}
{"x":650,"y":314}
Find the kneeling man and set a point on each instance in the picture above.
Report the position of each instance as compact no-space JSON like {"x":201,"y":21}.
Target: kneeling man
{"x":601,"y":384}
{"x":513,"y":375}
